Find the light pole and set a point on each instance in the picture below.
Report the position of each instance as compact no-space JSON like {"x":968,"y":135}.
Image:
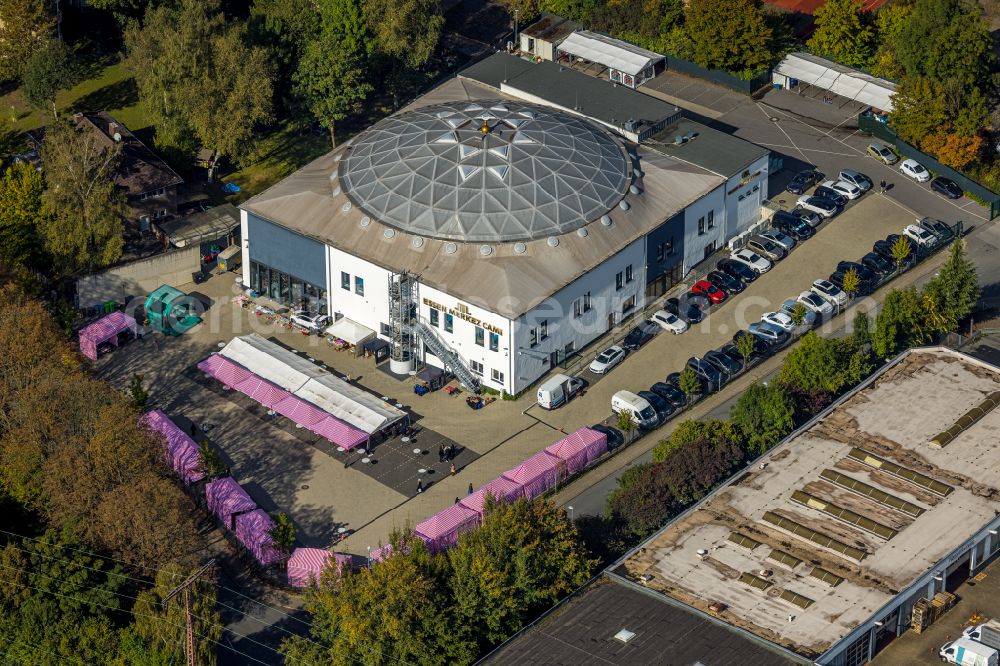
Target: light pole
{"x":369,"y":557}
{"x":517,"y":45}
{"x":570,"y":510}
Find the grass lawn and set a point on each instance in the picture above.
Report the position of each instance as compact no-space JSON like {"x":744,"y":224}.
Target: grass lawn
{"x":282,"y":150}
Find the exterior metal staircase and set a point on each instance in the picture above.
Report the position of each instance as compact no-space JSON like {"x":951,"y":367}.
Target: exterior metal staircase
{"x":452,"y":361}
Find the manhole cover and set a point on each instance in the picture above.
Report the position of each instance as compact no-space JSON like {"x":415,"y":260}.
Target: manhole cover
{"x":773,"y":119}
{"x":304,"y":487}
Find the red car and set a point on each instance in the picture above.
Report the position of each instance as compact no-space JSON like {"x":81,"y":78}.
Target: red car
{"x":708,"y":289}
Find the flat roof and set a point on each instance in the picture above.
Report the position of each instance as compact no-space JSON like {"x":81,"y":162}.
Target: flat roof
{"x":582,"y":632}
{"x":551,"y":28}
{"x":569,"y":89}
{"x":513,"y":277}
{"x":201,"y":226}
{"x":845,"y":514}
{"x":707,"y":147}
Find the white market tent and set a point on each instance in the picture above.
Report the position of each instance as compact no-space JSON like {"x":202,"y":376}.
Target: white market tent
{"x":838,"y":79}
{"x":350,"y":331}
{"x":621,"y":58}
{"x":307,"y":381}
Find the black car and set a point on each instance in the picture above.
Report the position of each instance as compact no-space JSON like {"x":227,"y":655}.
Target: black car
{"x":723,"y":363}
{"x":730,"y":350}
{"x":877,"y":263}
{"x":944,"y":232}
{"x":669,"y":392}
{"x":739,"y":271}
{"x":884,"y":248}
{"x":802,"y":181}
{"x":793,"y":225}
{"x":947,"y":187}
{"x":837,"y":278}
{"x":689,"y":312}
{"x":725,"y":282}
{"x":662,"y":407}
{"x":674,"y":379}
{"x":707,"y":373}
{"x":615,"y":437}
{"x":761,"y":346}
{"x":866,"y":274}
{"x":833,"y":195}
{"x":640,"y":335}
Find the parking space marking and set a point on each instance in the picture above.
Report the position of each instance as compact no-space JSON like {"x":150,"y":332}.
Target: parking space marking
{"x":782,"y":130}
{"x":808,"y":150}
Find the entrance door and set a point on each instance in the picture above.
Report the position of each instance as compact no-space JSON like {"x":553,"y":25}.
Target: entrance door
{"x":611,"y":320}
{"x":554,"y":359}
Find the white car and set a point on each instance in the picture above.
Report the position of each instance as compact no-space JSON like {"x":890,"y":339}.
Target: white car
{"x":779,"y":319}
{"x":818,"y":205}
{"x":783,"y":240}
{"x":915,"y":170}
{"x":670,"y":322}
{"x":815,"y":303}
{"x":789,"y":307}
{"x":829,"y":292}
{"x":752,"y":260}
{"x":607,"y":360}
{"x":919,"y":235}
{"x":310,"y":321}
{"x":849,"y":190}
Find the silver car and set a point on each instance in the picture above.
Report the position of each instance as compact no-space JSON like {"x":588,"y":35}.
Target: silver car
{"x":856,"y":178}
{"x":775,"y":236}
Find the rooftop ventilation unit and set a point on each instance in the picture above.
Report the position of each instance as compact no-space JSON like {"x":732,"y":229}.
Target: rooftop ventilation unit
{"x":789,"y":561}
{"x":831,"y":579}
{"x":624,"y":635}
{"x":756,"y":581}
{"x":797,"y":599}
{"x":679,"y":140}
{"x":743,"y":540}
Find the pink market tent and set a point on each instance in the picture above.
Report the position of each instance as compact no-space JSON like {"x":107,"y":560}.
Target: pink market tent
{"x":105,"y":329}
{"x":381,"y":553}
{"x":182,"y":452}
{"x":306,"y":565}
{"x":579,"y":448}
{"x":441,"y":530}
{"x":254,"y":531}
{"x":225,"y":497}
{"x":287,"y":404}
{"x":537,"y":474}
{"x":503,"y":489}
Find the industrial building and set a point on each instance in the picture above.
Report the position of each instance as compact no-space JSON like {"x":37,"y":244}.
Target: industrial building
{"x":504,"y":220}
{"x":838,"y":539}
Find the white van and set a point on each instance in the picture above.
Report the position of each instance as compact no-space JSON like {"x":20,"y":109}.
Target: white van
{"x":557,"y":390}
{"x":642,"y":412}
{"x":967,"y":652}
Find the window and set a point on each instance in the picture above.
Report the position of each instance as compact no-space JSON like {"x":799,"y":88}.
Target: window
{"x":670,"y":247}
{"x":435,"y":315}
{"x":569,"y":348}
{"x":386,"y":331}
{"x":497,"y":376}
{"x":345,"y":280}
{"x":494,"y":342}
{"x":480,"y":336}
{"x":629,"y":304}
{"x":477,"y":367}
{"x":701,"y":225}
{"x":711,"y":219}
{"x":533,"y":337}
{"x":578,"y":307}
{"x":449,"y":322}
{"x":359,"y":286}
{"x":586,"y":302}
{"x":660,"y":252}
{"x":628,"y":273}
{"x":543,"y":327}
{"x":619,"y":281}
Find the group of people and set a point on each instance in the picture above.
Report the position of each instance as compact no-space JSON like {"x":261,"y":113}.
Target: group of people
{"x":446,"y":453}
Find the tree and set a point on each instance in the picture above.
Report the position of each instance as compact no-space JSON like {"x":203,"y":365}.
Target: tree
{"x":764,"y":414}
{"x":842,"y":33}
{"x":284,"y":27}
{"x":20,"y":211}
{"x":575,"y":10}
{"x":799,"y":313}
{"x":640,"y":501}
{"x":918,"y":108}
{"x":889,"y":23}
{"x":956,"y":285}
{"x":407,"y":30}
{"x":814,"y":364}
{"x":738,"y":43}
{"x":82,"y":207}
{"x":690,"y":471}
{"x":47,"y":71}
{"x":746,"y":345}
{"x":626,"y":423}
{"x":197,"y":79}
{"x":952,"y":148}
{"x":332,"y":81}
{"x":525,"y":10}
{"x":284,"y":533}
{"x":901,"y":250}
{"x":25,"y":29}
{"x":137,"y":393}
{"x":689,"y":384}
{"x":861,"y":336}
{"x":524,"y":556}
{"x":398,"y":611}
{"x":900,"y":323}
{"x":688,"y":431}
{"x":852,"y":283}
{"x":210,"y":462}
{"x":947,"y":40}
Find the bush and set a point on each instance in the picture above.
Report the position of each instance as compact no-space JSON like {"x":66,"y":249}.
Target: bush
{"x":764,"y":415}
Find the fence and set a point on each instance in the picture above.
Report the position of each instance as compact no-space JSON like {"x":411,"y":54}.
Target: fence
{"x":747,"y":86}
{"x":871,"y":126}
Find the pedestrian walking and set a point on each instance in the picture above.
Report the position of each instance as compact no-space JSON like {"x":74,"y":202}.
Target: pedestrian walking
{"x":881,"y":187}
{"x":453,"y":470}
{"x":470,"y":490}
{"x":194,"y":430}
{"x":420,"y":486}
{"x":441,"y":453}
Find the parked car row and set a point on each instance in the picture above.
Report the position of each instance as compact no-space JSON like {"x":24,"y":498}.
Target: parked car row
{"x":915,"y":170}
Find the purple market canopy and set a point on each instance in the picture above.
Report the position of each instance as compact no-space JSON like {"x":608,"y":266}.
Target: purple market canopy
{"x":225,"y":497}
{"x":306,"y":565}
{"x":537,"y":474}
{"x":579,"y":448}
{"x":254,"y":531}
{"x":103,"y":330}
{"x":182,"y":452}
{"x":441,"y":530}
{"x":502,"y":488}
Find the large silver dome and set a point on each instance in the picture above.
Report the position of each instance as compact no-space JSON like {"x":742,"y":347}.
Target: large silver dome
{"x":529,"y":172}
